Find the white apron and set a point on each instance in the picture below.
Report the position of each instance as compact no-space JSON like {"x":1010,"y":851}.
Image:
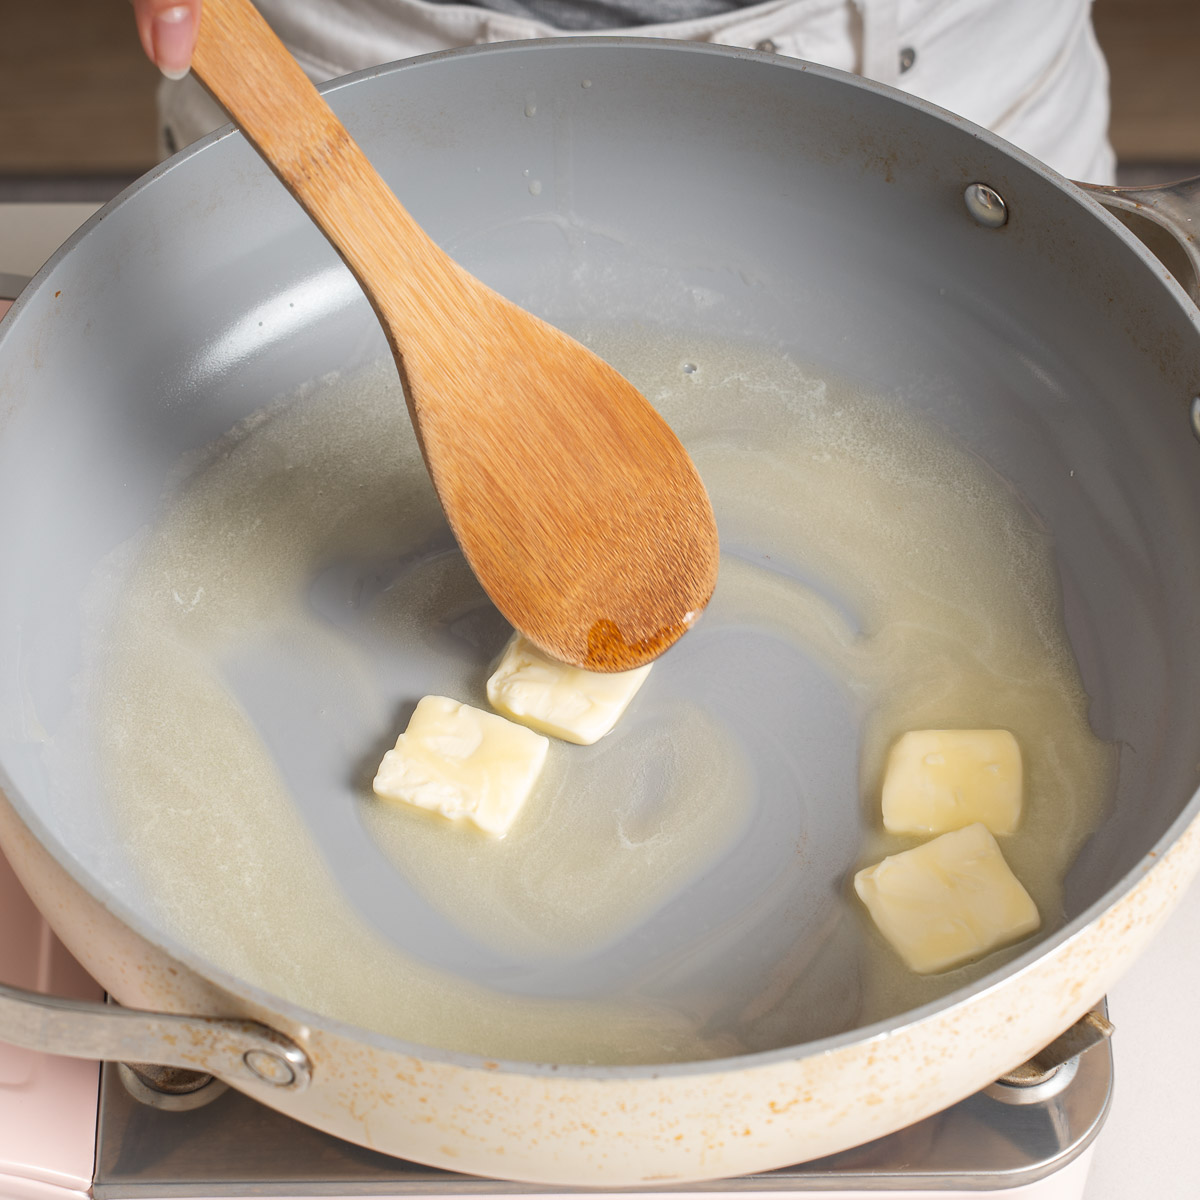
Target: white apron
{"x":1030,"y":70}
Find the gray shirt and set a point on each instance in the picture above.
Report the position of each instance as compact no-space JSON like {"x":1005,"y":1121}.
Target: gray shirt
{"x":607,"y":14}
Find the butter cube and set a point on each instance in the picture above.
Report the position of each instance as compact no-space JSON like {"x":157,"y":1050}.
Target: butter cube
{"x":566,"y":702}
{"x":943,"y":779}
{"x":463,"y":763}
{"x":949,"y":901}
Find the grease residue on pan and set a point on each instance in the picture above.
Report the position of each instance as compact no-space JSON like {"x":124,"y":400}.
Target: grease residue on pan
{"x":681,"y":889}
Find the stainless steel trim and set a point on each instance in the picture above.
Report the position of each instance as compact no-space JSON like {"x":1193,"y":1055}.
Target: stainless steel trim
{"x":237,"y":1051}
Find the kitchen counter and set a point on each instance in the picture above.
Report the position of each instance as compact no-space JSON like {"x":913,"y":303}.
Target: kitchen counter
{"x":1148,"y":1147}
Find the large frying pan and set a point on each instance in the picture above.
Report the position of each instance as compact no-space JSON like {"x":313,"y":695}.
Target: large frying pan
{"x":715,"y":191}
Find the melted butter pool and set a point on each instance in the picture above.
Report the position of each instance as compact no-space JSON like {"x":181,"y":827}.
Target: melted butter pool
{"x":681,"y":889}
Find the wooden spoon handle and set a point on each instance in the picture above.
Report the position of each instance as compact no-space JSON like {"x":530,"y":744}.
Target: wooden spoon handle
{"x":251,"y":72}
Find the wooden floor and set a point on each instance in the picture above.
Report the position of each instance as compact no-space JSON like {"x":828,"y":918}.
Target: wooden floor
{"x":77,"y":97}
{"x":76,"y":92}
{"x":1153,"y":51}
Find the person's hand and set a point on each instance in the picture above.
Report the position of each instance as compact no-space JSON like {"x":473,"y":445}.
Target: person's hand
{"x":168,"y":32}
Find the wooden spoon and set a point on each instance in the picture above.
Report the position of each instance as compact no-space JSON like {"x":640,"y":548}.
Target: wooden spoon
{"x":576,"y":506}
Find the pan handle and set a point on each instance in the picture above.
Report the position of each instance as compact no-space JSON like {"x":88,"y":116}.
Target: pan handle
{"x":1166,"y":217}
{"x":234,"y":1050}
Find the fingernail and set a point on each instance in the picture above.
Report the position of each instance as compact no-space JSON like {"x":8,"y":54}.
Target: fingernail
{"x":173,"y":40}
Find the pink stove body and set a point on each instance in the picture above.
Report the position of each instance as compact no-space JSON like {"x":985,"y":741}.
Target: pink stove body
{"x":49,"y":1109}
{"x":47,"y":1103}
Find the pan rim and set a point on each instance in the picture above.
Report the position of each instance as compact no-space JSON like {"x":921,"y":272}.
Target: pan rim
{"x":299,"y":1017}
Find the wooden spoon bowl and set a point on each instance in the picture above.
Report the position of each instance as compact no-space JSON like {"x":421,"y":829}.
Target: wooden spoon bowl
{"x":575,"y":505}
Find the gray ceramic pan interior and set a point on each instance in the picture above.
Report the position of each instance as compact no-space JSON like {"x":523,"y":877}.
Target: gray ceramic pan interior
{"x":813,"y":213}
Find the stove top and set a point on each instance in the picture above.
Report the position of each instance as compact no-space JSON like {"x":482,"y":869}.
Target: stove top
{"x":68,"y":1128}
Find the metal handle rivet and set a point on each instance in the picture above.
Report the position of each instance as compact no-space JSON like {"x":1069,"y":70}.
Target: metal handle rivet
{"x":986,"y":205}
{"x":766,"y":46}
{"x":1196,"y":416}
{"x":270,"y":1068}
